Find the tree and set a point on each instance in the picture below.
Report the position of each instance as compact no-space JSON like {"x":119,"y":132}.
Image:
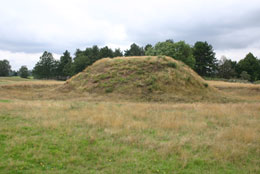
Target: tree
{"x":245,"y":76}
{"x":251,"y":65}
{"x":161,"y":48}
{"x":85,"y":58}
{"x":117,"y":53}
{"x":183,"y":52}
{"x":46,"y":67}
{"x":179,"y":51}
{"x":5,"y":68}
{"x":80,"y":63}
{"x":13,"y":73}
{"x":226,"y":68}
{"x":148,"y":46}
{"x":105,"y":52}
{"x":134,"y":50}
{"x":206,"y":62}
{"x":65,"y":65}
{"x":24,"y":72}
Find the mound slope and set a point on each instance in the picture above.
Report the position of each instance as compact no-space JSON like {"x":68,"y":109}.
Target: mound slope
{"x":142,"y":78}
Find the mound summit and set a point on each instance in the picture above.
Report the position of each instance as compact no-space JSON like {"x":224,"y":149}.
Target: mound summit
{"x":145,"y":78}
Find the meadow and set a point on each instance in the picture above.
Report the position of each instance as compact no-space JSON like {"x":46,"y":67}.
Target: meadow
{"x":43,"y":130}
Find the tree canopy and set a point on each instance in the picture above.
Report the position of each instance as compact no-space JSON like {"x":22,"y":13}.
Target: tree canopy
{"x":251,"y":65}
{"x":23,"y":72}
{"x":5,"y":68}
{"x":206,"y":62}
{"x":46,"y":68}
{"x":135,"y":50}
{"x":200,"y":57}
{"x":65,"y":65}
{"x":179,"y":51}
{"x":226,"y":68}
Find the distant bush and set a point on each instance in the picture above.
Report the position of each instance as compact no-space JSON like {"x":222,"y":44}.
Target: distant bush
{"x":5,"y":68}
{"x":24,"y":72}
{"x":257,"y":82}
{"x":245,"y":76}
{"x":206,"y":85}
{"x":109,"y":90}
{"x":161,"y":57}
{"x":172,"y":64}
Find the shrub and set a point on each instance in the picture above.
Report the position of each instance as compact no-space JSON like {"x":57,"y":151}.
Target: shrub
{"x":24,"y":72}
{"x":172,"y":64}
{"x":245,"y":76}
{"x":109,"y":90}
{"x":257,"y":82}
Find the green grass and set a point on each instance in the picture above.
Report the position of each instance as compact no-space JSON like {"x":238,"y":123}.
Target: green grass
{"x":27,"y":145}
{"x":4,"y":101}
{"x":75,"y":134}
{"x":16,"y":78}
{"x":13,"y":79}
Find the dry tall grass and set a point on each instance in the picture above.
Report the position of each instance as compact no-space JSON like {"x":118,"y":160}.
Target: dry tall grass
{"x":225,"y":133}
{"x":244,"y":91}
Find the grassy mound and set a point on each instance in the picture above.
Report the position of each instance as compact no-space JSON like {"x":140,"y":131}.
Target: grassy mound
{"x":142,"y":78}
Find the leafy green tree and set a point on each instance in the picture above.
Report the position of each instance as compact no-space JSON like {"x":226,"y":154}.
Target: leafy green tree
{"x":5,"y":68}
{"x":245,"y":76}
{"x":23,"y":72}
{"x":90,"y":55}
{"x":65,"y":65}
{"x":46,"y":68}
{"x":148,"y":46}
{"x":13,"y":73}
{"x":183,"y":52}
{"x":105,"y":52}
{"x":251,"y":65}
{"x":179,"y":51}
{"x":226,"y":68}
{"x":151,"y":51}
{"x":80,"y":63}
{"x":170,"y":40}
{"x":206,"y":62}
{"x":117,"y":53}
{"x":93,"y":53}
{"x":78,"y":52}
{"x":134,"y":50}
{"x":161,"y":48}
{"x":85,"y":58}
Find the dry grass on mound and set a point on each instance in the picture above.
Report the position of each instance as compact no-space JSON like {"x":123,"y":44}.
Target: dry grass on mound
{"x":143,"y":78}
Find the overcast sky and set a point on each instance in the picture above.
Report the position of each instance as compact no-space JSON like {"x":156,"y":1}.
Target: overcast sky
{"x":29,"y":27}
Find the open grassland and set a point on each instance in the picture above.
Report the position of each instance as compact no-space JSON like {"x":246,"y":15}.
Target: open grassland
{"x":77,"y":133}
{"x":246,"y":92}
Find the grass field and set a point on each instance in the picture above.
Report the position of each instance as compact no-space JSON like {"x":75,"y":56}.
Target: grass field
{"x":45,"y":131}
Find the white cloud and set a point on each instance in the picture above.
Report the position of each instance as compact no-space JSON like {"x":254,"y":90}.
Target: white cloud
{"x":33,"y":26}
{"x":237,"y":54}
{"x":19,"y":59}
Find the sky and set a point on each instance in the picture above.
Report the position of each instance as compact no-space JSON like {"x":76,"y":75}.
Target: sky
{"x":30,"y":27}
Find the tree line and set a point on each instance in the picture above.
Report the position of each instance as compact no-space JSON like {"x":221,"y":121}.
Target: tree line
{"x":200,"y":57}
